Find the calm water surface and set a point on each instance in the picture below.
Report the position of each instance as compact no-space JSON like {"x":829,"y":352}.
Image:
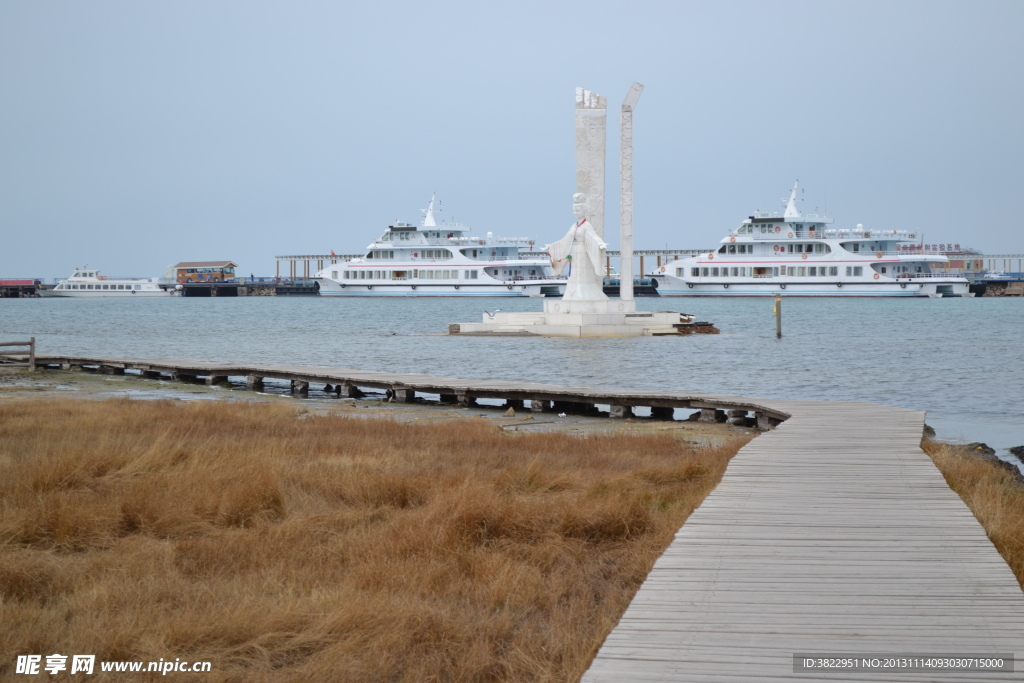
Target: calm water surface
{"x":959,"y":359}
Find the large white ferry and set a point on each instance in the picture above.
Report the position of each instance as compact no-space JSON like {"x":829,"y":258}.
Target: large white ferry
{"x":88,"y":283}
{"x":795,"y":255}
{"x":441,"y":260}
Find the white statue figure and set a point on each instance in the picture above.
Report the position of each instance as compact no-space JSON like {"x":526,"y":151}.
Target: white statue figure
{"x":583,"y":253}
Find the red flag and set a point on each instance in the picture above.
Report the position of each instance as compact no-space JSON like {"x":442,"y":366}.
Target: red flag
{"x":332,"y":253}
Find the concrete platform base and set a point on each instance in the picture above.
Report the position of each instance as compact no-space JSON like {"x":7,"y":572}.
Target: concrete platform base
{"x":595,"y":319}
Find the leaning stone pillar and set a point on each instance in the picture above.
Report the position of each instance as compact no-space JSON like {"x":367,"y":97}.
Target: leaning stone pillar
{"x":626,"y":194}
{"x":254,"y":382}
{"x":538,"y":406}
{"x":299,"y":387}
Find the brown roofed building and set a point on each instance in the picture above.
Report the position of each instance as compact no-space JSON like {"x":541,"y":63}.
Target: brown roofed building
{"x":204,"y":271}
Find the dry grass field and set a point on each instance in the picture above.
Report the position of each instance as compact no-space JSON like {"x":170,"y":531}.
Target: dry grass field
{"x":993,"y":493}
{"x":287,"y":546}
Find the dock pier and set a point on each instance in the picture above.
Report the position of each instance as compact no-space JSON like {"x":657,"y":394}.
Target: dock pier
{"x":405,"y":388}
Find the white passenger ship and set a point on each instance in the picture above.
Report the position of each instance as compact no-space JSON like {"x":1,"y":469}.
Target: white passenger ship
{"x":442,"y":260}
{"x":796,"y":255}
{"x":88,"y":283}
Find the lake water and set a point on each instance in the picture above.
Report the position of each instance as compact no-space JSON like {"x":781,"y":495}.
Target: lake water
{"x":959,"y":359}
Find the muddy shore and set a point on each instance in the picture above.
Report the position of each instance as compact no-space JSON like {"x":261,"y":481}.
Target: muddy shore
{"x":18,"y":385}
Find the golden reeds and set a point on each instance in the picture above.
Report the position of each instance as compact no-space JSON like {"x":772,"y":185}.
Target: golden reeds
{"x":992,"y":491}
{"x":282,"y":546}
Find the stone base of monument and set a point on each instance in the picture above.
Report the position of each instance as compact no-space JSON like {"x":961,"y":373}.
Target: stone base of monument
{"x":607,"y":318}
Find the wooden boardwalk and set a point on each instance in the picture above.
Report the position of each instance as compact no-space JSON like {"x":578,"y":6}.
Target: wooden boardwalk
{"x":832,"y":533}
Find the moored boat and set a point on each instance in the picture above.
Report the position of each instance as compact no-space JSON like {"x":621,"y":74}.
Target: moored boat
{"x":802,"y":255}
{"x":88,"y":283}
{"x":442,"y":260}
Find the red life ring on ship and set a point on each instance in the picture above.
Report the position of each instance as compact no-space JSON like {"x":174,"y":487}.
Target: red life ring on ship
{"x":879,"y":254}
{"x":711,"y":256}
{"x":778,"y":228}
{"x":877,"y":276}
{"x":732,"y":239}
{"x":663,"y":269}
{"x":790,"y":235}
{"x":803,"y":255}
{"x":776,"y":247}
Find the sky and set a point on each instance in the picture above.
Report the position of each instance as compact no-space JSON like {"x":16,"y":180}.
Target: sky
{"x":134,"y":135}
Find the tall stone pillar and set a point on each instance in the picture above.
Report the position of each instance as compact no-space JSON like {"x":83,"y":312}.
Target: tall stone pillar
{"x":591,"y":117}
{"x":626,"y":194}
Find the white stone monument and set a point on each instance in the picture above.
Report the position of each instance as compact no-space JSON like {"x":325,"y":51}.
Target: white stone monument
{"x":580,"y":255}
{"x":585,"y":310}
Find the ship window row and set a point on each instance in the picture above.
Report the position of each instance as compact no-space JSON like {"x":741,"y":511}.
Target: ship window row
{"x":108,"y":287}
{"x":736,"y":249}
{"x":811,"y":271}
{"x":735,"y":271}
{"x":420,"y":274}
{"x":382,"y":254}
{"x":808,"y":248}
{"x":437,"y":253}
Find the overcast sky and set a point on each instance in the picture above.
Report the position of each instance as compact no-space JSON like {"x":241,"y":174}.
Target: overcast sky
{"x":138,"y":134}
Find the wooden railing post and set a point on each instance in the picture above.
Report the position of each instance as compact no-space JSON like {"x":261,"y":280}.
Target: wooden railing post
{"x":32,"y":354}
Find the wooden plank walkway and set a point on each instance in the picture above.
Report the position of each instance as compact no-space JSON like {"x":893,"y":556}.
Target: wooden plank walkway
{"x":834,"y":533}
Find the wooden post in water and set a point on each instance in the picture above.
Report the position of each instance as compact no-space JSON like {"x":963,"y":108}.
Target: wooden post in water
{"x":778,"y":316}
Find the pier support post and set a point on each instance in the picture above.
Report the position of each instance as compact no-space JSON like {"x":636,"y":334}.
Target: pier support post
{"x":254,"y":382}
{"x":662,"y":412}
{"x":348,"y":390}
{"x":620,"y":411}
{"x":712,"y":415}
{"x":183,"y":376}
{"x":151,"y":374}
{"x":211,"y":380}
{"x":464,"y":399}
{"x":299,"y":387}
{"x":766,"y":422}
{"x":65,"y":366}
{"x":539,"y":406}
{"x":737,"y":418}
{"x":111,"y":370}
{"x":404,"y":395}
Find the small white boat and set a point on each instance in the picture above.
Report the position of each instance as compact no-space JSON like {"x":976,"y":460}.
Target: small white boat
{"x":88,"y":283}
{"x":795,"y":255}
{"x":442,"y":260}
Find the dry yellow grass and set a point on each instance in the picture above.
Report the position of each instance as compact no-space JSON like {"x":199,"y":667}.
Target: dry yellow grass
{"x":282,"y":546}
{"x":992,"y":492}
